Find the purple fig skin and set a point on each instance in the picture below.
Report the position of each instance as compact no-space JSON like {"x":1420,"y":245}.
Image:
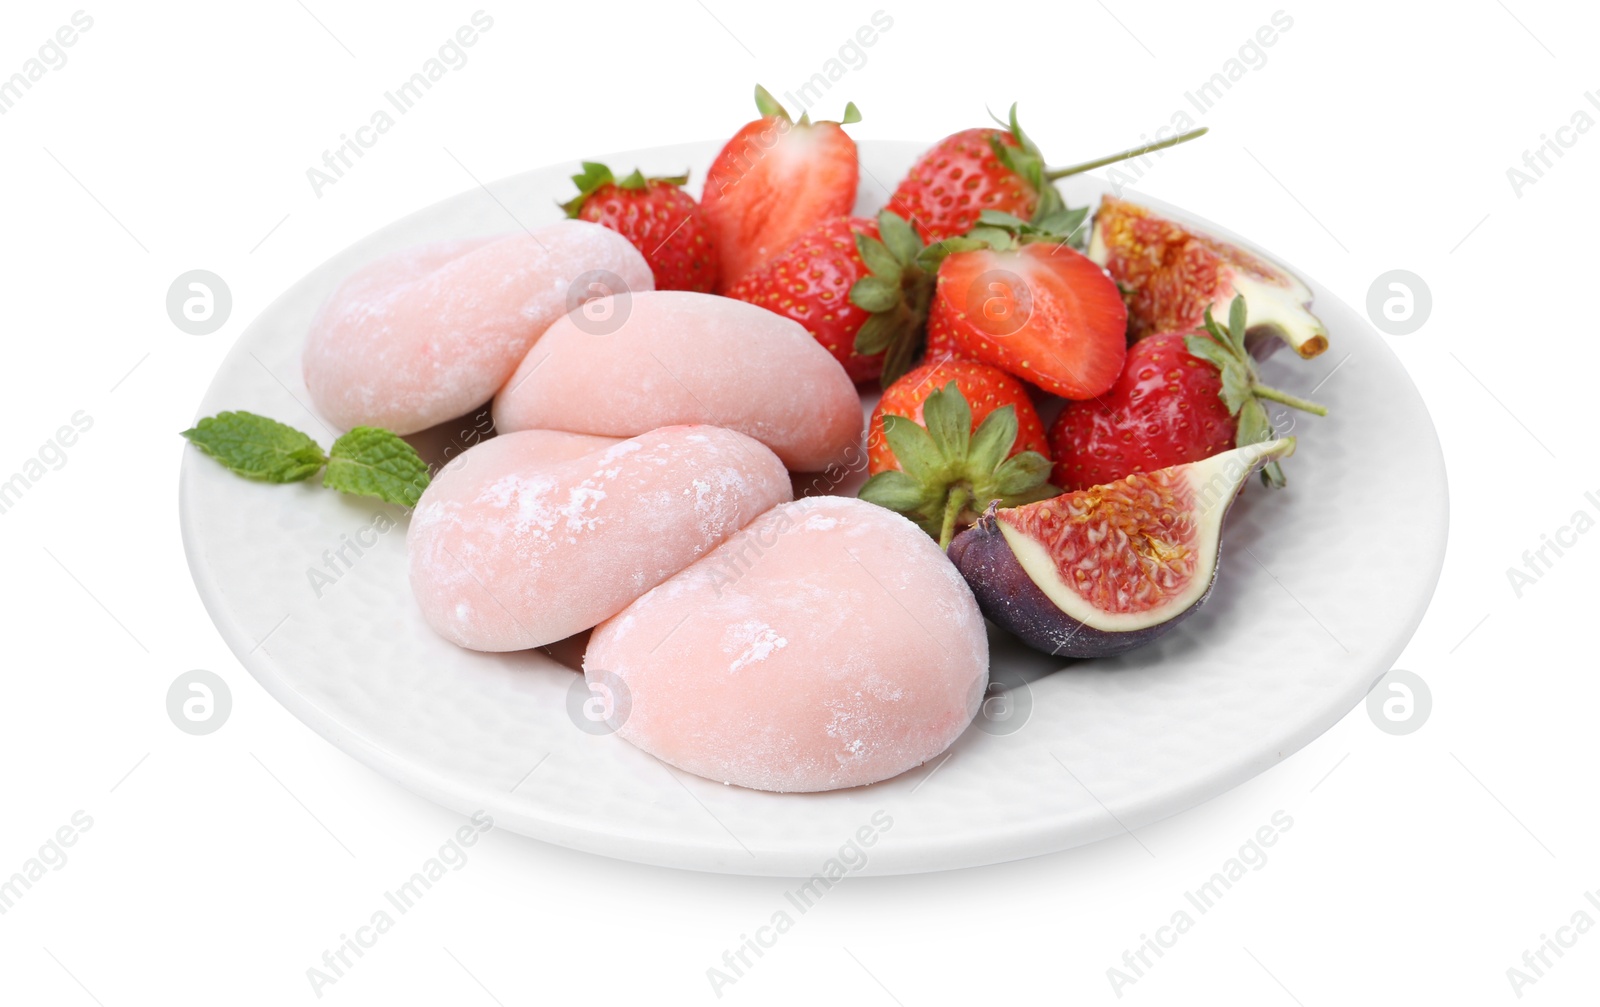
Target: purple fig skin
{"x":1010,"y":599}
{"x":1262,"y":342}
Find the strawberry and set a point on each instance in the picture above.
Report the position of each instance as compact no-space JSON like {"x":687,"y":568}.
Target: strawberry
{"x":661,"y":220}
{"x":811,"y":283}
{"x":1182,"y":397}
{"x":985,"y":388}
{"x":941,"y":343}
{"x":1009,"y":294}
{"x":966,"y":172}
{"x":989,"y":169}
{"x":860,"y":286}
{"x":943,"y":471}
{"x":775,"y":180}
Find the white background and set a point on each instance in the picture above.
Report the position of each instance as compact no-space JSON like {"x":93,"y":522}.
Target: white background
{"x":1376,"y":136}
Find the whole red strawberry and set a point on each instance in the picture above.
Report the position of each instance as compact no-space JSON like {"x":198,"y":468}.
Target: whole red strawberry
{"x":948,"y":440}
{"x":858,"y":285}
{"x":811,"y":283}
{"x":1165,"y":409}
{"x":1183,"y":396}
{"x":990,"y":169}
{"x":775,"y":180}
{"x":661,"y":220}
{"x":966,"y":173}
{"x":1013,"y":296}
{"x":985,"y":388}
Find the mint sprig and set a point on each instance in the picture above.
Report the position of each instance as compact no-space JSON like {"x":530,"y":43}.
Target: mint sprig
{"x":367,"y":461}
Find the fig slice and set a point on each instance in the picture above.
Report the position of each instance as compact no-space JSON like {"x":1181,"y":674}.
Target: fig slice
{"x":1100,"y":571}
{"x":1173,"y":273}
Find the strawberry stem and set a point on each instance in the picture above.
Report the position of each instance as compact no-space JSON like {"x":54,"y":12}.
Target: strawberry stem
{"x":1294,"y":402}
{"x":954,"y":504}
{"x":1149,"y":148}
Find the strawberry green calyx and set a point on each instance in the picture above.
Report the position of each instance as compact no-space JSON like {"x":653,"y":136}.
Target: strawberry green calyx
{"x":771,"y":108}
{"x":596,"y":176}
{"x":896,"y":291}
{"x":1002,"y":231}
{"x":949,"y":470}
{"x":1242,"y":391}
{"x":1027,"y":162}
{"x":367,"y":461}
{"x":768,"y":106}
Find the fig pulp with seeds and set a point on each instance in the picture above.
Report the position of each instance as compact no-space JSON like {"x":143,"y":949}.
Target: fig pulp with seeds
{"x":1173,"y":273}
{"x":1100,"y":571}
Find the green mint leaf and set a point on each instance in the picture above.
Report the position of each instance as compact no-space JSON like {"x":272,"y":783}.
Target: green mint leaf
{"x":257,"y":447}
{"x":371,"y":462}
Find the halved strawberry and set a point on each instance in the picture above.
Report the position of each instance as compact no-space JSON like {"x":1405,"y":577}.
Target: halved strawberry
{"x":946,"y":470}
{"x":1174,"y":272}
{"x":661,"y":220}
{"x":775,"y":180}
{"x":1017,"y":299}
{"x":1183,"y":396}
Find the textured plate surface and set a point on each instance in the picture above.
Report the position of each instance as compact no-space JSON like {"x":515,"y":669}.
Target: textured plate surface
{"x":1319,"y":589}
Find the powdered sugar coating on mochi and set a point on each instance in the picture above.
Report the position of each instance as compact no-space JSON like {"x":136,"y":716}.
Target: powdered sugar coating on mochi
{"x":531,"y":537}
{"x":430,"y":333}
{"x":683,"y":357}
{"x":830,"y":644}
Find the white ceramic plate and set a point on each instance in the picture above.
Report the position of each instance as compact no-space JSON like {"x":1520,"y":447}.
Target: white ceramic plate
{"x":1320,"y":587}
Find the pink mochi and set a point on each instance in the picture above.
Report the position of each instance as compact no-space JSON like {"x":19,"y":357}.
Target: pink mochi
{"x":682,"y":357}
{"x":830,"y":644}
{"x":531,"y":537}
{"x":429,"y":333}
